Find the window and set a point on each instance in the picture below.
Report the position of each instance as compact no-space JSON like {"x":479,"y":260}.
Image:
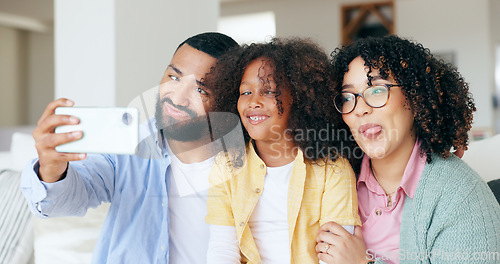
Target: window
{"x":249,"y":28}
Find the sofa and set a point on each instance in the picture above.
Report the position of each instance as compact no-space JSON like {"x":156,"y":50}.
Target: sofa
{"x":70,"y":240}
{"x":484,"y":157}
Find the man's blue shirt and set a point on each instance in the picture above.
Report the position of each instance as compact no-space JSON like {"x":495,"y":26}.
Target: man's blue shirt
{"x":136,"y":227}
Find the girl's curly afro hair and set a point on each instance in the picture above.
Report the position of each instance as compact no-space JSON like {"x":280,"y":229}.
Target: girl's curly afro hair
{"x":300,"y":67}
{"x":436,"y":93}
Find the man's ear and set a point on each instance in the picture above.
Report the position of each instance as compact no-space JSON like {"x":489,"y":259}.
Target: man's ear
{"x":208,"y":103}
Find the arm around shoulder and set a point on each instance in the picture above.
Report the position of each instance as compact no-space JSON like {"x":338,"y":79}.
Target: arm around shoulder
{"x":340,"y":201}
{"x":219,"y":210}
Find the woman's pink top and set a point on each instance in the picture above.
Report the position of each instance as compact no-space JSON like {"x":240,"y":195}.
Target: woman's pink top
{"x":380,"y":215}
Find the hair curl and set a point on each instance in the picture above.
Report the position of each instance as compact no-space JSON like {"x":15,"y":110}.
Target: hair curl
{"x":437,"y":94}
{"x":300,"y":67}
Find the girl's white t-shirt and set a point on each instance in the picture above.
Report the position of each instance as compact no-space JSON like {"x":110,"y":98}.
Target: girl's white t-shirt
{"x":269,"y":219}
{"x":268,"y":222}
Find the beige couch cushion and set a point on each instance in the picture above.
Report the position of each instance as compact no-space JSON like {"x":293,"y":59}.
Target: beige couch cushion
{"x":484,"y":157}
{"x":68,"y":240}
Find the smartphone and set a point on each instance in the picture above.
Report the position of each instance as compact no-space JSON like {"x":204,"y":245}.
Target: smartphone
{"x":110,"y":130}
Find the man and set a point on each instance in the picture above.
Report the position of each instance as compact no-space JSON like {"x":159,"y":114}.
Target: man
{"x":151,"y":193}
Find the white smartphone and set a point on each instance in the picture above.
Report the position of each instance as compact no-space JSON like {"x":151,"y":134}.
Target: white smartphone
{"x":110,"y":130}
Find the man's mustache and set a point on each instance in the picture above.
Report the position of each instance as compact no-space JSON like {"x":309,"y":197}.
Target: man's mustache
{"x":184,"y":109}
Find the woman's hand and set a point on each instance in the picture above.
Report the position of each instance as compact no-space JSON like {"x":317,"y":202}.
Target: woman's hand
{"x":336,"y":245}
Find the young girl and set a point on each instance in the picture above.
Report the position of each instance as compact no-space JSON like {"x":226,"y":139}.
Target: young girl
{"x":418,"y":202}
{"x":266,"y":203}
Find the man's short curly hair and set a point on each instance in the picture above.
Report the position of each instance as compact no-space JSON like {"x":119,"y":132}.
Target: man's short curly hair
{"x":436,"y":93}
{"x":300,"y":67}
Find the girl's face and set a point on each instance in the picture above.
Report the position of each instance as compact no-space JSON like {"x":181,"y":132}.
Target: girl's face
{"x":381,"y":132}
{"x":257,"y":104}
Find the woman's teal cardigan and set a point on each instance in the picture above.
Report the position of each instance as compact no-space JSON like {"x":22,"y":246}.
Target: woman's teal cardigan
{"x":453,"y":218}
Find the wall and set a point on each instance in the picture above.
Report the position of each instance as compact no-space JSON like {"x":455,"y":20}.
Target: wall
{"x":495,"y":20}
{"x":29,"y":61}
{"x":26,"y":75}
{"x":84,"y":51}
{"x":40,"y":76}
{"x":95,"y":66}
{"x":495,"y":33}
{"x":12,"y":72}
{"x":148,"y":33}
{"x":126,"y":46}
{"x":464,"y":29}
{"x":316,"y":19}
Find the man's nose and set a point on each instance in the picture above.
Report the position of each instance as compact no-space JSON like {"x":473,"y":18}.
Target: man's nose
{"x":181,"y":92}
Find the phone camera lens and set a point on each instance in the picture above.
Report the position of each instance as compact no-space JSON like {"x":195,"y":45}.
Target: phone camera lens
{"x":127,"y":119}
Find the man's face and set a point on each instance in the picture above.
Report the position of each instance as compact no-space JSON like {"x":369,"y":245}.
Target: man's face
{"x":183,"y":101}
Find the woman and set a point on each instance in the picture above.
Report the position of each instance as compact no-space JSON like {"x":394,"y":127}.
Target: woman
{"x":418,"y":204}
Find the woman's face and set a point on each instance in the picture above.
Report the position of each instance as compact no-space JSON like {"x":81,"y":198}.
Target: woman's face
{"x":381,"y":132}
{"x":257,"y":103}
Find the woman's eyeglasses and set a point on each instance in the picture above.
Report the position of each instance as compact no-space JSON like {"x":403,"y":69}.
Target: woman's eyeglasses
{"x":375,"y":96}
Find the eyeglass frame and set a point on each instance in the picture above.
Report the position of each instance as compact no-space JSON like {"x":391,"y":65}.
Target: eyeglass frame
{"x":356,"y":95}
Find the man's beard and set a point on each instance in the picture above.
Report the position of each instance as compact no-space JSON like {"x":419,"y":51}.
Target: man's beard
{"x":186,"y":130}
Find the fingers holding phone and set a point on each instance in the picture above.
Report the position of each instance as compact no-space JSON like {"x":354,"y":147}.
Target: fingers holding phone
{"x":53,"y":163}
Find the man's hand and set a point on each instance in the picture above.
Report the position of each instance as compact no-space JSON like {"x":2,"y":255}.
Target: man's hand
{"x":52,"y":163}
{"x":336,"y":245}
